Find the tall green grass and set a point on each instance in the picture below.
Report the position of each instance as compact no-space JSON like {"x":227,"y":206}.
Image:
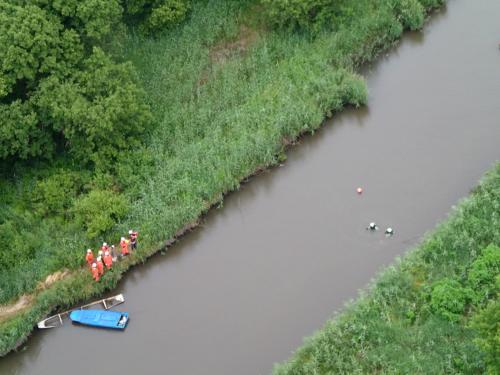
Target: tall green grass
{"x":217,"y":120}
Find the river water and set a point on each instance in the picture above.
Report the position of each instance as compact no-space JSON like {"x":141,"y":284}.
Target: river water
{"x":270,"y":266}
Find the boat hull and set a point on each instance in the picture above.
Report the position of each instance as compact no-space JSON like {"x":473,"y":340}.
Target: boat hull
{"x":100,"y":318}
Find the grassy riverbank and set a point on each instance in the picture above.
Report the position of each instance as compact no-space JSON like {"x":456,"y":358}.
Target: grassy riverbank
{"x":227,"y":95}
{"x":430,"y":313}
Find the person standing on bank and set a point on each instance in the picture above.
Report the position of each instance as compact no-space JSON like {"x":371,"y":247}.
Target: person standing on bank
{"x":133,"y":239}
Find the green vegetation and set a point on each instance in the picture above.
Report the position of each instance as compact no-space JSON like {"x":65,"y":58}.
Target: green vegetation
{"x":487,"y":323}
{"x":136,"y":131}
{"x":425,"y":314}
{"x":155,"y":15}
{"x":63,"y":89}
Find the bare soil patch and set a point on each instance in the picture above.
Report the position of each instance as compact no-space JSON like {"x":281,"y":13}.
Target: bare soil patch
{"x":23,"y":302}
{"x":9,"y":310}
{"x":226,"y":50}
{"x":223,"y":51}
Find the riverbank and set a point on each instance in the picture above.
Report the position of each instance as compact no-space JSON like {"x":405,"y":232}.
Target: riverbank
{"x":430,"y":313}
{"x":251,"y":116}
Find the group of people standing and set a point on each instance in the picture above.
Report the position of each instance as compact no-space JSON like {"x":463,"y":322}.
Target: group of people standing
{"x":107,"y":255}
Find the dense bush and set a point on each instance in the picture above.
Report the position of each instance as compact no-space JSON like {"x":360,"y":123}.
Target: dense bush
{"x":313,"y":15}
{"x":409,"y":12}
{"x":448,"y":299}
{"x":157,"y":15}
{"x":428,"y":4}
{"x":54,"y":195}
{"x":300,"y":14}
{"x":484,"y":275}
{"x":487,"y":323}
{"x":98,"y":211}
{"x":22,"y":245}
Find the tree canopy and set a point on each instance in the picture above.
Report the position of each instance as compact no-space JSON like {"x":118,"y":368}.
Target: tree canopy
{"x":58,"y":90}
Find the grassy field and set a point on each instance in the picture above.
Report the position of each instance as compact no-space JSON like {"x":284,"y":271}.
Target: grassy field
{"x":227,"y":94}
{"x":421,"y":315}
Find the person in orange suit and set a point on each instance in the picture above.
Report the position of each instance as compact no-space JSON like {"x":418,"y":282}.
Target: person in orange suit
{"x":100,"y":266}
{"x":89,"y":257}
{"x":108,"y":259}
{"x":124,"y":245}
{"x":95,"y":272}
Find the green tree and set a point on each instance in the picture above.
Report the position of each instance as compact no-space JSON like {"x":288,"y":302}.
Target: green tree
{"x":100,"y":111}
{"x":60,"y":92}
{"x":20,"y":134}
{"x":33,"y":43}
{"x":92,"y":19}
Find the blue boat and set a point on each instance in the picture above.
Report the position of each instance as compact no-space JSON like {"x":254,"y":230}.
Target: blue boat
{"x":100,"y":318}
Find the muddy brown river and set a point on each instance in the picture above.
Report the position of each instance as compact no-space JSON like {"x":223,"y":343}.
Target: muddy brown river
{"x":290,"y":248}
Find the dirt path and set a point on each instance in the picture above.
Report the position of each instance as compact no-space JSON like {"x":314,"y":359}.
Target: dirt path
{"x":23,"y":302}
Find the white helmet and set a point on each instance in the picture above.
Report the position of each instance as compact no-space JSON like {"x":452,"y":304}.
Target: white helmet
{"x":89,"y":250}
{"x":99,"y":258}
{"x":104,"y":244}
{"x":122,"y":239}
{"x":130,"y":231}
{"x":94,"y":265}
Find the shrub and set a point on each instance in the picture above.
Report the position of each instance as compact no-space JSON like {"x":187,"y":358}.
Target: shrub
{"x":448,"y":299}
{"x":410,"y":13}
{"x":22,"y":244}
{"x":169,"y":13}
{"x":55,"y":194}
{"x":483,"y":275}
{"x":428,"y":4}
{"x":157,"y":15}
{"x":299,"y":14}
{"x":487,"y":323}
{"x":99,"y":210}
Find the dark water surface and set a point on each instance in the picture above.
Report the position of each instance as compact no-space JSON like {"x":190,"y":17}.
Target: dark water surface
{"x":291,"y":247}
